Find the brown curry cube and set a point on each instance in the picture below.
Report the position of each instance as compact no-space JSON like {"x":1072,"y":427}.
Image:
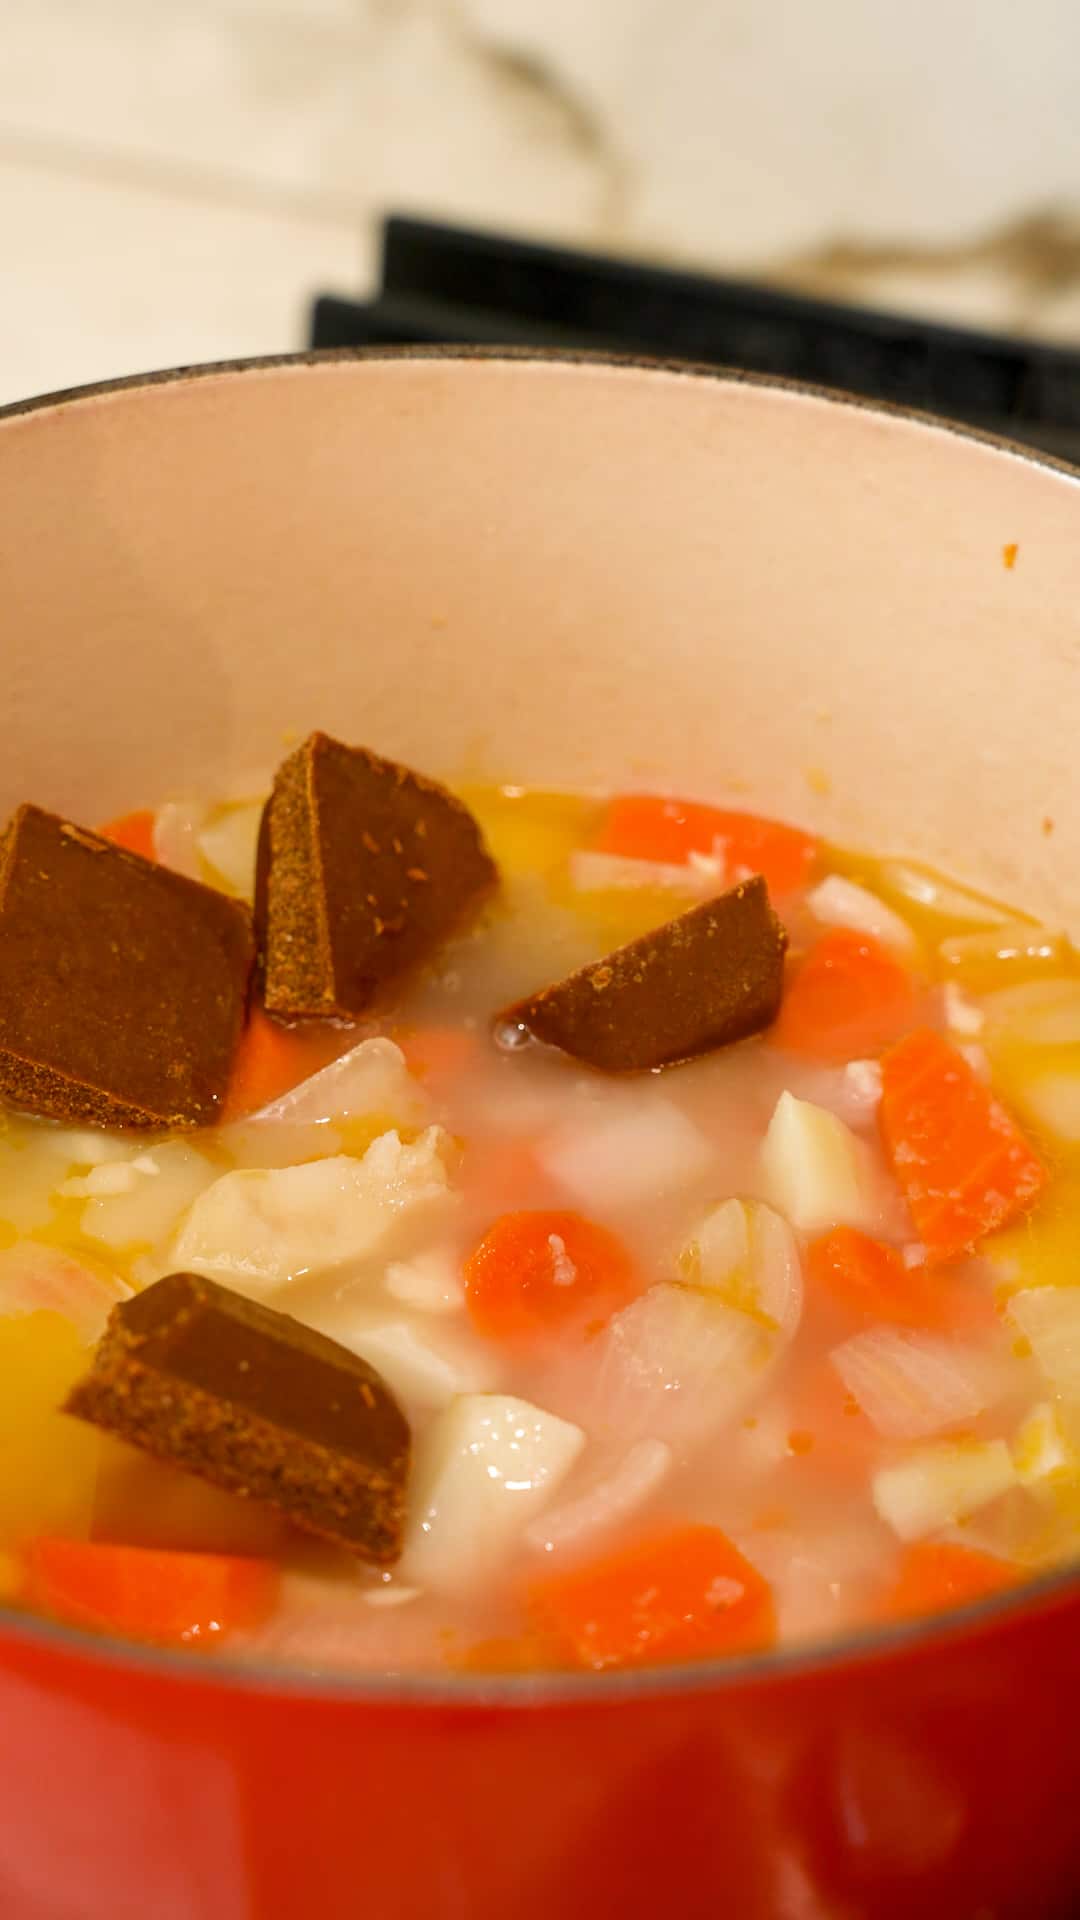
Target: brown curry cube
{"x":252,"y":1401}
{"x":123,"y":986}
{"x":363,"y":868}
{"x":710,"y":977}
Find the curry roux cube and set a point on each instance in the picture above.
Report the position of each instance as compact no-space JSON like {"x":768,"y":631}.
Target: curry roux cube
{"x":363,"y":868}
{"x":123,"y":985}
{"x":256,"y":1403}
{"x":712,"y":976}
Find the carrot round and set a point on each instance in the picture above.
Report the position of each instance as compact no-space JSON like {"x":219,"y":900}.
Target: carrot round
{"x":541,"y":1270}
{"x":147,"y":1593}
{"x":848,"y":998}
{"x":643,"y":826}
{"x":135,"y":831}
{"x":684,"y":1595}
{"x":961,"y":1161}
{"x":271,"y":1059}
{"x":938,"y":1574}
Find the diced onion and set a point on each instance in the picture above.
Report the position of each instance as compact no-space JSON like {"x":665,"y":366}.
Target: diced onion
{"x":372,"y":1078}
{"x":1049,"y":1319}
{"x":837,"y":902}
{"x":814,"y":1167}
{"x":176,"y":836}
{"x":1002,"y":954}
{"x":676,"y":1365}
{"x":909,"y":1384}
{"x":745,"y":1254}
{"x":626,"y":1153}
{"x":937,"y":1486}
{"x":36,"y":1278}
{"x":606,"y":1503}
{"x":228,"y":845}
{"x":614,"y":873}
{"x":926,"y":889}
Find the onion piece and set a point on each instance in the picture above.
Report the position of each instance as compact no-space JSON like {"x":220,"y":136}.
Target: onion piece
{"x":484,"y":1469}
{"x":814,"y":1167}
{"x":745,"y":1254}
{"x":837,"y":902}
{"x":606,"y":1503}
{"x":1049,"y":1319}
{"x":626,"y":1153}
{"x":676,"y":1365}
{"x":228,"y":845}
{"x":35,"y":1278}
{"x":372,"y":1078}
{"x":927,"y":889}
{"x":177,"y":825}
{"x":615,"y":873}
{"x":937,"y":1486}
{"x":908,"y":1384}
{"x":998,"y":957}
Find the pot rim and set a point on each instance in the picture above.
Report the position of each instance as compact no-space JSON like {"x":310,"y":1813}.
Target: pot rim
{"x":450,"y":1690}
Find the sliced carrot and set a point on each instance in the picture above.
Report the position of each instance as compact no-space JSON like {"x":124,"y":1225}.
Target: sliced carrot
{"x":436,"y":1052}
{"x":271,"y":1059}
{"x":962,"y":1163}
{"x":683,"y":1596}
{"x":149,"y":1594}
{"x":135,"y":831}
{"x":872,"y":1280}
{"x":643,"y":826}
{"x":541,"y":1270}
{"x":848,"y":998}
{"x":935,"y":1575}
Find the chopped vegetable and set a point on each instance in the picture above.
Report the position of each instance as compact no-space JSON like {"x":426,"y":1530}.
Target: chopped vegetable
{"x":935,"y":1575}
{"x":148,"y":1594}
{"x":38,"y":1278}
{"x":177,"y":826}
{"x":937,"y":1486}
{"x":165,"y":1180}
{"x":642,"y":826}
{"x":1042,"y":1452}
{"x":837,"y":902}
{"x":606,"y":1503}
{"x":424,"y":1367}
{"x":255,"y":1230}
{"x":627,"y":1151}
{"x":1049,"y":1318}
{"x":430,"y":1282}
{"x":371,"y":1079}
{"x":484,"y":1469}
{"x":695,"y":878}
{"x":538,"y":1271}
{"x":866,"y":1277}
{"x":228,"y":845}
{"x":676,"y":1365}
{"x":271,"y":1060}
{"x":814,"y":1167}
{"x":1040,"y":1013}
{"x":135,"y":831}
{"x":910,"y":1384}
{"x":961,"y":1161}
{"x":685,"y":1595}
{"x":746,"y":1254}
{"x":938,"y":901}
{"x":849,"y":996}
{"x":1002,"y":956}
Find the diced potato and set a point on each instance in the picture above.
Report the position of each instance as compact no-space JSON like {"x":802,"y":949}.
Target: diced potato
{"x":626,"y":1151}
{"x":936,"y":1486}
{"x":1052,"y":1101}
{"x":430,"y":1282}
{"x":257,"y":1230}
{"x":746,"y":1254}
{"x":1049,"y":1318}
{"x":165,"y":1180}
{"x":426,"y":1366}
{"x":814,"y":1168}
{"x":1041,"y":1448}
{"x":486,"y":1468}
{"x":48,"y":1461}
{"x":1040,"y":1013}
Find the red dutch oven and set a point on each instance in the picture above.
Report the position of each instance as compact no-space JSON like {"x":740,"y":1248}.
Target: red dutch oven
{"x":573,"y":572}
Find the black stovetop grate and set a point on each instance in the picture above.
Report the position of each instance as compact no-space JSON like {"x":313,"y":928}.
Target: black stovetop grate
{"x":445,"y":284}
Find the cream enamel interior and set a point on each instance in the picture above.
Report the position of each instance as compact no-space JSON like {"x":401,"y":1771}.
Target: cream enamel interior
{"x":556,"y":572}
